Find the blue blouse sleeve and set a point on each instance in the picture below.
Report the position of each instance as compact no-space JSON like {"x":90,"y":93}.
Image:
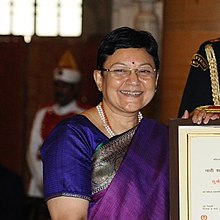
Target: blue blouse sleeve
{"x":67,"y":162}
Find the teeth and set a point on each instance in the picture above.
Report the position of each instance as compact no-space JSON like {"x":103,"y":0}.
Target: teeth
{"x":134,"y":93}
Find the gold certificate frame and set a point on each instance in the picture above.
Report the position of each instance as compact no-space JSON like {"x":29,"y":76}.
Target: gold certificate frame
{"x":194,"y":170}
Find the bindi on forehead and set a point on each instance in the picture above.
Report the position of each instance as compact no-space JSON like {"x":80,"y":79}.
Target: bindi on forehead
{"x":132,"y":62}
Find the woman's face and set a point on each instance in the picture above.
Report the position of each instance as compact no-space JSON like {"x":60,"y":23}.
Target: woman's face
{"x":129,"y":92}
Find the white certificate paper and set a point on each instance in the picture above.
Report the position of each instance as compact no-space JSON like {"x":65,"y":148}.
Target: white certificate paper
{"x":199,"y":172}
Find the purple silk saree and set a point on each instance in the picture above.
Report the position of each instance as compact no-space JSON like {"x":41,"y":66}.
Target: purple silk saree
{"x":139,"y":188}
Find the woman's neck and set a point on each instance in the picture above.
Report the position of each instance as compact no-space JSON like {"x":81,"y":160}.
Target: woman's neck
{"x":114,"y":124}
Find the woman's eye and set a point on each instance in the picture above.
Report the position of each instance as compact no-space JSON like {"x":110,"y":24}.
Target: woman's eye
{"x":119,"y":71}
{"x":143,"y":71}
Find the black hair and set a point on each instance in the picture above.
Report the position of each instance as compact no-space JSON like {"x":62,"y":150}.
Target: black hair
{"x":125,"y":37}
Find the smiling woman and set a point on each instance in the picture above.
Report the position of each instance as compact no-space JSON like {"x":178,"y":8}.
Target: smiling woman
{"x":127,"y":91}
{"x":110,"y":155}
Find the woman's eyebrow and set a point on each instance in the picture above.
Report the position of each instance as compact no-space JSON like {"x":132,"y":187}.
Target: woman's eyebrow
{"x":118,"y":63}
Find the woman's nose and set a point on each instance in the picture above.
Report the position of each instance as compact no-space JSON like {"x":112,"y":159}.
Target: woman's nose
{"x":133,"y":76}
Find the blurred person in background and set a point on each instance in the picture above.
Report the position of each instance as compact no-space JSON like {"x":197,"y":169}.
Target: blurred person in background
{"x":67,"y":81}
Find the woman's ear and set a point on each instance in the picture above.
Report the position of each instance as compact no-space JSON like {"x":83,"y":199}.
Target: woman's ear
{"x":157,"y":77}
{"x":97,"y":75}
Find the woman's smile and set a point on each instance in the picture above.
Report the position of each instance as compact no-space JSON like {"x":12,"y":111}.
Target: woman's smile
{"x":131,"y":93}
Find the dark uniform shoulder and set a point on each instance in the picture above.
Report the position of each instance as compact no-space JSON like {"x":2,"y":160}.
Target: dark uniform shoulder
{"x":211,"y":41}
{"x":216,"y":46}
{"x":199,"y":59}
{"x":215,"y":40}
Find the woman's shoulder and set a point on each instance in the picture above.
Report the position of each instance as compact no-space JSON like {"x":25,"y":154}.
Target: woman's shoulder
{"x":77,"y":129}
{"x":79,"y":119}
{"x":77,"y":122}
{"x":154,"y":122}
{"x":86,"y":118}
{"x":75,"y":126}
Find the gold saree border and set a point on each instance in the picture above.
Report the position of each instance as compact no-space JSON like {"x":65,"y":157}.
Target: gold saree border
{"x":107,"y":160}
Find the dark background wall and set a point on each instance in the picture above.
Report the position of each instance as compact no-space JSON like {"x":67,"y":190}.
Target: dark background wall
{"x":26,"y":73}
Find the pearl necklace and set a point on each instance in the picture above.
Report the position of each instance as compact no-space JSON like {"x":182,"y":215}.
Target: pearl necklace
{"x":105,"y":122}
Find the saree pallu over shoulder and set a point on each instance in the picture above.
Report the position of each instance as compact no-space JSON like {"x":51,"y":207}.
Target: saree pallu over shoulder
{"x":139,"y":189}
{"x":107,"y":160}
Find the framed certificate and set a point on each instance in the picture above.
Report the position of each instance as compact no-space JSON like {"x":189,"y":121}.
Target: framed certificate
{"x":194,"y":170}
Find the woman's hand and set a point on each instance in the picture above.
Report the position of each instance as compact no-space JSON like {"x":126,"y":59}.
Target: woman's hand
{"x":199,"y":116}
